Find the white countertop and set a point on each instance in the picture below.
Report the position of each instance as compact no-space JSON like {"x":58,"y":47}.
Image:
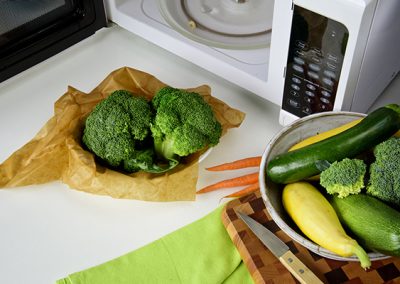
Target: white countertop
{"x":49,"y":231}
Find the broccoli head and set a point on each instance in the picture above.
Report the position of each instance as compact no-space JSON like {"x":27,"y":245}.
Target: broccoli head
{"x":116,"y":126}
{"x":384,"y":182}
{"x":184,"y":124}
{"x":344,"y":177}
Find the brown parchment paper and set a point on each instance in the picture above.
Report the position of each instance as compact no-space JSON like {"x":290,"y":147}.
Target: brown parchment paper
{"x":55,"y":153}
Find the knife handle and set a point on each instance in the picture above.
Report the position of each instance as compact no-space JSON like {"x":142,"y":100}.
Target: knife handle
{"x":303,"y":274}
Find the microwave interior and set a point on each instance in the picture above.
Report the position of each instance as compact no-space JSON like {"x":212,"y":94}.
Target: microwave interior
{"x":231,"y":38}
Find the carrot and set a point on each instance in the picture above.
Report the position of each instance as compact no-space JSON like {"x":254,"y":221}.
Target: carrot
{"x":247,"y":190}
{"x":238,"y":164}
{"x":233,"y":182}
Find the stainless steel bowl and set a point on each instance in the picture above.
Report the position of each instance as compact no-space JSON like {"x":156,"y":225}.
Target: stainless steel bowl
{"x":272,"y":193}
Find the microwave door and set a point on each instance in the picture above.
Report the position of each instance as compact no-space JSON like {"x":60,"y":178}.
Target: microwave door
{"x":32,"y":31}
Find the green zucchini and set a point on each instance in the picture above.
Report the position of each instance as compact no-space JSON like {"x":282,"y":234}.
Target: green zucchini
{"x":375,"y":224}
{"x":302,"y":163}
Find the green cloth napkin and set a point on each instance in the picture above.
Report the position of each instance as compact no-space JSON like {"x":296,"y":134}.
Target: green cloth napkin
{"x":201,"y":252}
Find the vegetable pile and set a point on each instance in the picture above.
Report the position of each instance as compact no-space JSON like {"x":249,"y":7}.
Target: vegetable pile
{"x":128,"y":132}
{"x":358,"y":190}
{"x":302,"y":163}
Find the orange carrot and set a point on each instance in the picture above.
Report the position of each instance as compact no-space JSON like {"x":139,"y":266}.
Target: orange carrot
{"x":233,"y":182}
{"x":247,"y":190}
{"x":238,"y":164}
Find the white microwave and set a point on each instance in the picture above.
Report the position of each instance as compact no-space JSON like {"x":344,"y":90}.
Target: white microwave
{"x":306,"y":56}
{"x":340,"y":55}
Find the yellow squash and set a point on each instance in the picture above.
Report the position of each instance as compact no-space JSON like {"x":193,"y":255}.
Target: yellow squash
{"x":317,"y":219}
{"x":323,"y":135}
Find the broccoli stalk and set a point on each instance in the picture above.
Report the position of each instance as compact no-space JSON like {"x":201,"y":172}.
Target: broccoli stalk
{"x":384,"y":182}
{"x":144,"y":160}
{"x":184,"y":124}
{"x":344,"y":177}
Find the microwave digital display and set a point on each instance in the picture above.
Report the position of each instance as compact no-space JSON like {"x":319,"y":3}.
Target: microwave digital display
{"x":316,"y":51}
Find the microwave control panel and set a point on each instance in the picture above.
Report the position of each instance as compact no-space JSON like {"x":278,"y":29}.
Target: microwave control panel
{"x":316,"y":51}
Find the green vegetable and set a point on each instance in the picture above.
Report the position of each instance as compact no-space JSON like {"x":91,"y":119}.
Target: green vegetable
{"x":300,"y":164}
{"x":116,"y":126}
{"x":131,"y":133}
{"x":118,"y":132}
{"x":384,"y":180}
{"x":375,"y":224}
{"x":184,"y":124}
{"x":141,"y":160}
{"x":344,"y":177}
{"x":317,"y":219}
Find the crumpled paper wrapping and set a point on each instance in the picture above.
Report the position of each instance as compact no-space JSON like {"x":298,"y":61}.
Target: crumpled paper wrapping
{"x":56,"y":153}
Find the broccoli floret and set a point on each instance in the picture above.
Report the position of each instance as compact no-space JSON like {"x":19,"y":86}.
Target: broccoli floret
{"x":140,"y":160}
{"x":384,"y":180}
{"x":184,"y":124}
{"x":344,"y":177}
{"x":116,"y":126}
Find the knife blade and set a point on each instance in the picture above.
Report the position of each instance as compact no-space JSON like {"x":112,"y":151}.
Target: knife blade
{"x":301,"y":272}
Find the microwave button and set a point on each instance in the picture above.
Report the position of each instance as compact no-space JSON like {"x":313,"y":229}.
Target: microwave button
{"x":331,"y":66}
{"x":308,"y":100}
{"x":298,"y":68}
{"x":325,"y":101}
{"x":330,"y":74}
{"x":299,"y":60}
{"x":332,"y":33}
{"x":326,"y":94}
{"x":296,"y":80}
{"x":323,"y":107}
{"x":313,"y":75}
{"x":307,"y":110}
{"x":301,"y":44}
{"x":294,"y":103}
{"x":311,"y":87}
{"x":316,"y":59}
{"x":316,"y":51}
{"x":328,"y":82}
{"x":310,"y":94}
{"x":332,"y":57}
{"x":295,"y":87}
{"x":300,"y":53}
{"x":314,"y":67}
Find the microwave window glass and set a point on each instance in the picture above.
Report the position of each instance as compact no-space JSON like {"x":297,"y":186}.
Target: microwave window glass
{"x":33,"y":30}
{"x":316,"y":51}
{"x":14,"y":14}
{"x":21,"y":19}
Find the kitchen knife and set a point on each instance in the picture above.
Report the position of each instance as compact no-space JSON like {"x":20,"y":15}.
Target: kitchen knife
{"x":281,"y":251}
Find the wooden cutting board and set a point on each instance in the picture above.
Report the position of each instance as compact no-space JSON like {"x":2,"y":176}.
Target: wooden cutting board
{"x":264,"y":267}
